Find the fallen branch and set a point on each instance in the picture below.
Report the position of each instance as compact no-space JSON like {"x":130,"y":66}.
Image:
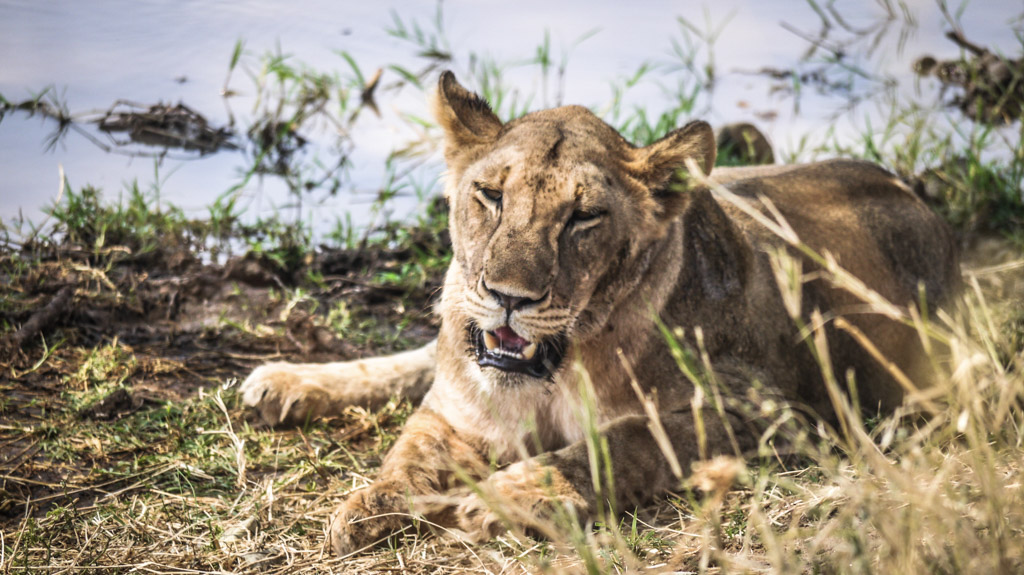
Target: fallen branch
{"x":42,"y":318}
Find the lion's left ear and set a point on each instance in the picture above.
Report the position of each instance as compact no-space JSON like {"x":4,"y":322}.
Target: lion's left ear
{"x":661,"y":166}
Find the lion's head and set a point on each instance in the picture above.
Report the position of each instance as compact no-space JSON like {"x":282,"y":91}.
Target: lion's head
{"x":554,"y":217}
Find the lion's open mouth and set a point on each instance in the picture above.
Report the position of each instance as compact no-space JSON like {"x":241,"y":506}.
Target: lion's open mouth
{"x":506,"y":350}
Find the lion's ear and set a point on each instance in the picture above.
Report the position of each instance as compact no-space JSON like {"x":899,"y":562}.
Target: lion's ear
{"x":661,"y":166}
{"x":468,"y":122}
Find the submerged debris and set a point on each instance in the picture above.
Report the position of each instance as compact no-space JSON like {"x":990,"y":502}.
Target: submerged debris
{"x":166,"y":126}
{"x":992,"y":85}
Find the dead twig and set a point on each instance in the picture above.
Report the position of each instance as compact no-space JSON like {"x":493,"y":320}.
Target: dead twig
{"x":43,"y":318}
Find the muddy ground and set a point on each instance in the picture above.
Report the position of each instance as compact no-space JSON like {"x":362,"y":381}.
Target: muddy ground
{"x":100,"y":342}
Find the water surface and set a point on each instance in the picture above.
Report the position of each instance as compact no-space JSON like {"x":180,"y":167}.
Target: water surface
{"x":151,"y":51}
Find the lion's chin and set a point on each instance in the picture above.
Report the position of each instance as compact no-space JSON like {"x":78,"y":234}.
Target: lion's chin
{"x":506,"y":351}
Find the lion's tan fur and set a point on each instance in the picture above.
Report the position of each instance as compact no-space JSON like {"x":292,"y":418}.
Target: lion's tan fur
{"x":656,"y":248}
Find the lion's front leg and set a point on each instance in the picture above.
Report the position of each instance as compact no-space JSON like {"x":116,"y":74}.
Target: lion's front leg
{"x":423,"y":462}
{"x":531,"y":494}
{"x":292,"y":393}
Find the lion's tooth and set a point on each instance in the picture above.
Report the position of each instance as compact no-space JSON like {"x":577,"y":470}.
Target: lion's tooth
{"x":490,"y":341}
{"x":529,"y":351}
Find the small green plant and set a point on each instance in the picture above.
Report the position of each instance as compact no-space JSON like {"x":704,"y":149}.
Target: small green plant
{"x":104,"y":367}
{"x":688,"y":78}
{"x":136,"y":227}
{"x":287,"y":246}
{"x":642,"y":541}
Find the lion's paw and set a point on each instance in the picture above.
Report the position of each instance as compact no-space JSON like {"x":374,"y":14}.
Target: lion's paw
{"x":525,"y":496}
{"x":282,"y":395}
{"x":368,"y":517}
{"x":480,"y":520}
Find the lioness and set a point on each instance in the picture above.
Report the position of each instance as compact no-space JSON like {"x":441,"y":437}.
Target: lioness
{"x":569,"y":244}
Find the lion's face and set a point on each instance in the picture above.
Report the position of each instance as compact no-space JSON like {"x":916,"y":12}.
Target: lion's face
{"x":536,"y":231}
{"x":552,"y":219}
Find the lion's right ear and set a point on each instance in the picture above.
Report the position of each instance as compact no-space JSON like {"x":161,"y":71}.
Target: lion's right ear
{"x":469,"y":124}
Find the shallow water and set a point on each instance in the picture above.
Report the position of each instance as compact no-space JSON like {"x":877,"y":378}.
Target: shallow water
{"x":150,"y":51}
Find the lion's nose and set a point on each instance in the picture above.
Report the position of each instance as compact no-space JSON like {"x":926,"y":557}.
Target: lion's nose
{"x":512,"y":302}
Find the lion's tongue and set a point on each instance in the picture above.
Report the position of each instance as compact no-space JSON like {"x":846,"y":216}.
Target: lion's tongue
{"x":508,"y":340}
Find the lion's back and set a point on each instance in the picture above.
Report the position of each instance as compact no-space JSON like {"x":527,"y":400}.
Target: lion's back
{"x":868,"y":219}
{"x":879,"y":231}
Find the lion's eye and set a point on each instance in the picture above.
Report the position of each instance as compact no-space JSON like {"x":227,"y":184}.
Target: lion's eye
{"x":488,"y":192}
{"x":586,"y":217}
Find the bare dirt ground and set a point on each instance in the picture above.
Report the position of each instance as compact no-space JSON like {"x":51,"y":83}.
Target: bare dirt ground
{"x":117,"y":391}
